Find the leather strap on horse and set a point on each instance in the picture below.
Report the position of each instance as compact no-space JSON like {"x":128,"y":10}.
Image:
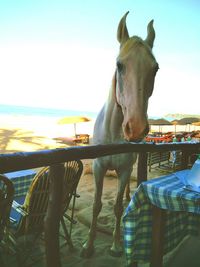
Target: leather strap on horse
{"x":114,"y":83}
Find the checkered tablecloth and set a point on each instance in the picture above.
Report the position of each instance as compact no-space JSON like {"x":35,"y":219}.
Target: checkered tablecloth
{"x":166,"y":192}
{"x":21,"y":180}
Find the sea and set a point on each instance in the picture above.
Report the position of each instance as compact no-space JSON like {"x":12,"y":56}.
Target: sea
{"x":44,"y":112}
{"x":53,"y":112}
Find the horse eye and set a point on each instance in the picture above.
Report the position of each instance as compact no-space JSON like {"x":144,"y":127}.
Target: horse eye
{"x":120,"y":67}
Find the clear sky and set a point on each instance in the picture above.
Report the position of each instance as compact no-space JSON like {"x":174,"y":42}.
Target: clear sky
{"x":61,"y":53}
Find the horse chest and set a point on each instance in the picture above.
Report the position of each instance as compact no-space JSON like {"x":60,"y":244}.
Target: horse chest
{"x":118,"y":162}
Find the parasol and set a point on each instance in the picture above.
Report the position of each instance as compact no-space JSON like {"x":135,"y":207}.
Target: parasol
{"x":188,"y":120}
{"x":196,"y":123}
{"x":159,"y":122}
{"x":73,"y":120}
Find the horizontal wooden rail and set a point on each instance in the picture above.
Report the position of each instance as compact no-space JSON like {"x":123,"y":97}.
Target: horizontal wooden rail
{"x":27,"y":160}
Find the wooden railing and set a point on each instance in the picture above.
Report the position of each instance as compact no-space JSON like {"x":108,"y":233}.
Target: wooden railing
{"x":54,"y":158}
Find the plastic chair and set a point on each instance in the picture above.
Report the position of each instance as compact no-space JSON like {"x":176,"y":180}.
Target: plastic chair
{"x":30,"y":216}
{"x":6,"y":198}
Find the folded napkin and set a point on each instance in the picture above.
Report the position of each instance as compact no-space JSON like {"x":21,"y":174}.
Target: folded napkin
{"x":191,"y":178}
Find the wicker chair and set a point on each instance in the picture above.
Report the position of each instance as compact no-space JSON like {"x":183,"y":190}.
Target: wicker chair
{"x":29,"y":217}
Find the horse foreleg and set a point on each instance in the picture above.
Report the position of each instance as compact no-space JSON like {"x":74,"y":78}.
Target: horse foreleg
{"x":128,"y":191}
{"x":88,"y":247}
{"x":116,"y":249}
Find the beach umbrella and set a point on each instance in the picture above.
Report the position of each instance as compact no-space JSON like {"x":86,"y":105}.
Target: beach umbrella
{"x":151,"y":121}
{"x":196,"y":123}
{"x":188,"y":121}
{"x":160,"y":122}
{"x":73,"y":120}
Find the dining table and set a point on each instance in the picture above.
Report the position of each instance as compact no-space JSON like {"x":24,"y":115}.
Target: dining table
{"x":182,"y":208}
{"x":21,"y":180}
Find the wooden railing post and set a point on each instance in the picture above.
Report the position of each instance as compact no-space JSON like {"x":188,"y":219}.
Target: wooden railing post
{"x":142,"y":167}
{"x":52,"y":221}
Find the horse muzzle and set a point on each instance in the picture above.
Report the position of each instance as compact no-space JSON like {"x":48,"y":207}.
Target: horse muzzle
{"x":135,"y":132}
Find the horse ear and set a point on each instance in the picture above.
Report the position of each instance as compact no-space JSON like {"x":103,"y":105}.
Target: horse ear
{"x":150,"y":34}
{"x":122,"y":32}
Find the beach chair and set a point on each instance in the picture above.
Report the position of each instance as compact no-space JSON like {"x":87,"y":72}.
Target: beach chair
{"x":6,"y":198}
{"x":28,"y":218}
{"x":81,"y":138}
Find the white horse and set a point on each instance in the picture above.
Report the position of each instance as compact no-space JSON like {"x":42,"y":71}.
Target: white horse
{"x":123,"y":118}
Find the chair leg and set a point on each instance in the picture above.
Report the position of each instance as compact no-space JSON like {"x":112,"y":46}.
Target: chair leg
{"x":72,"y":213}
{"x":67,"y":236}
{"x":159,"y":216}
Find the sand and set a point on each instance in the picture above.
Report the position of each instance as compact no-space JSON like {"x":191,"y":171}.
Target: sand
{"x":23,"y":133}
{"x":31,"y":133}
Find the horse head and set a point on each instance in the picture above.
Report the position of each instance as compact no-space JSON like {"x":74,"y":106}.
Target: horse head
{"x":135,"y":73}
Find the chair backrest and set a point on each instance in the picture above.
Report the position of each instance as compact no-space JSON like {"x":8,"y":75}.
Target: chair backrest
{"x":6,"y":198}
{"x":73,"y":171}
{"x":37,"y":198}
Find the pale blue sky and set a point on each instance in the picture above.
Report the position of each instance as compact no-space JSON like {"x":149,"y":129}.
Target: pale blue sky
{"x":58,"y":53}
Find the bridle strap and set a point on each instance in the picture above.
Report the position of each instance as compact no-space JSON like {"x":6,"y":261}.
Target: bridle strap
{"x":114,"y":84}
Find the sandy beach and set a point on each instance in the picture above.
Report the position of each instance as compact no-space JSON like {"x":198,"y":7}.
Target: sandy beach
{"x":23,"y":133}
{"x":31,"y":133}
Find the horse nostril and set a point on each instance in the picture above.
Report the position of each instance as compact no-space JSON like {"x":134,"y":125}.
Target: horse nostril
{"x":135,"y":133}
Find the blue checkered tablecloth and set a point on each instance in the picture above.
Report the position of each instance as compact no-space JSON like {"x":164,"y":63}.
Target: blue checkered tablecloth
{"x":21,"y":180}
{"x":166,"y":192}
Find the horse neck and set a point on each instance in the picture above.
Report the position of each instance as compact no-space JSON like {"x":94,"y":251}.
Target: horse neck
{"x":113,"y":113}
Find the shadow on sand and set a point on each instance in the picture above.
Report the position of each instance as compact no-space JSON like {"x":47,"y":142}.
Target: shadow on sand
{"x":12,"y":140}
